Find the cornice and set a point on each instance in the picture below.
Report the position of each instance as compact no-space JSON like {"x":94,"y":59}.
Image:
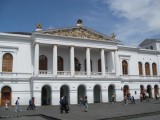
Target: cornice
{"x":16,"y":36}
{"x":74,"y":78}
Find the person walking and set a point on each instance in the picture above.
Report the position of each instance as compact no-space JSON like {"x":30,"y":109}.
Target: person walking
{"x":125,"y":100}
{"x":133,"y":100}
{"x":113,"y":98}
{"x":81,"y":101}
{"x":141,"y":97}
{"x":33,"y":103}
{"x":17,"y":109}
{"x":156,"y":96}
{"x":30,"y":107}
{"x":85,"y":104}
{"x":7,"y":104}
{"x":147,"y":97}
{"x":64,"y":105}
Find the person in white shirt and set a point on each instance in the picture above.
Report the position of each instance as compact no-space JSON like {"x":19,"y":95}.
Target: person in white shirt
{"x":17,"y":109}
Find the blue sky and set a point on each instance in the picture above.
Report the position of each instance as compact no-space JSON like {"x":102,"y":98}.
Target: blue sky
{"x":131,"y":20}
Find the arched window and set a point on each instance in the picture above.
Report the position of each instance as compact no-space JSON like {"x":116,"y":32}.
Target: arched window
{"x":151,"y":47}
{"x":147,"y":70}
{"x":124,"y":67}
{"x":154,"y":69}
{"x":99,"y":66}
{"x":43,"y":62}
{"x":140,"y":68}
{"x":85,"y":67}
{"x":7,"y":62}
{"x":60,"y":63}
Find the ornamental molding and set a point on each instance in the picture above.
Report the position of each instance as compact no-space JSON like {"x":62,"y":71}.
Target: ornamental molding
{"x":77,"y":33}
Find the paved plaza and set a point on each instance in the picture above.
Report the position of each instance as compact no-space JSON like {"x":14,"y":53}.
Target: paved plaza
{"x":99,"y":111}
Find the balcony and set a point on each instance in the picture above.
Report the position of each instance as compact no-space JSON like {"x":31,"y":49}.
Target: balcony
{"x":139,"y":78}
{"x":11,"y":75}
{"x":47,"y":73}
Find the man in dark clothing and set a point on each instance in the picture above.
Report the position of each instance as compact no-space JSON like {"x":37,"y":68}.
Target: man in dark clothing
{"x":30,"y":107}
{"x":64,"y":104}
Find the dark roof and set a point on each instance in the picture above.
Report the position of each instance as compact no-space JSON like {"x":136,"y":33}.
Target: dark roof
{"x":20,"y":33}
{"x":148,"y":41}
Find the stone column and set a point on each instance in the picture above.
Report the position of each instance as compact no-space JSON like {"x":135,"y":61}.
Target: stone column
{"x":88,"y":63}
{"x":72,"y":67}
{"x":1,"y":61}
{"x":38,"y":97}
{"x":73,"y":97}
{"x":36,"y":59}
{"x":103,"y":66}
{"x":119,"y":94}
{"x":55,"y":60}
{"x":55,"y":97}
{"x":89,"y":94}
{"x":144,"y":70}
{"x":14,"y":68}
{"x":104,"y":95}
{"x":150,"y":66}
{"x":115,"y":65}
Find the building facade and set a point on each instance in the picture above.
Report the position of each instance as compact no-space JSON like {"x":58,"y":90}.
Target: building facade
{"x":75,"y":62}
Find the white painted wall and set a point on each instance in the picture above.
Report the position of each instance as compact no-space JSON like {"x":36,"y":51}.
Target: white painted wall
{"x":23,"y":53}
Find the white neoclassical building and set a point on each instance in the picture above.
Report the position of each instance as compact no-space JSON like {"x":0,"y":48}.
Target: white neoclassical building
{"x":75,"y":62}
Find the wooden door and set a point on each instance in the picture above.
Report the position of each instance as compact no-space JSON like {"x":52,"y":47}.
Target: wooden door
{"x":6,"y":93}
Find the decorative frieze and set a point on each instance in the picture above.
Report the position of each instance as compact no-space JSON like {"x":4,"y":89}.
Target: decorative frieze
{"x":78,"y":33}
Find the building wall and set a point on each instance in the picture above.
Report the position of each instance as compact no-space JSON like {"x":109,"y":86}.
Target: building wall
{"x":22,"y":50}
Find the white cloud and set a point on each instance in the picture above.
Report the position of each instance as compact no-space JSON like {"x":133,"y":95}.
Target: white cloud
{"x":142,"y":18}
{"x":141,"y":10}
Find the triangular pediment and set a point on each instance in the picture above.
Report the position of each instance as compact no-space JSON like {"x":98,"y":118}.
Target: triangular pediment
{"x":78,"y":32}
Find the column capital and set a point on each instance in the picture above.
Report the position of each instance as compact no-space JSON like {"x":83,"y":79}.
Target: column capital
{"x":36,"y":42}
{"x":88,"y":47}
{"x":71,"y":46}
{"x":102,"y":49}
{"x":54,"y":45}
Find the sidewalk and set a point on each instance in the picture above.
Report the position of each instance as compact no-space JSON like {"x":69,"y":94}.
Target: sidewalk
{"x":100,"y":111}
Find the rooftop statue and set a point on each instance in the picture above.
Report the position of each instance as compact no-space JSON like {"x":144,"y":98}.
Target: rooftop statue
{"x":39,"y":26}
{"x":113,"y":36}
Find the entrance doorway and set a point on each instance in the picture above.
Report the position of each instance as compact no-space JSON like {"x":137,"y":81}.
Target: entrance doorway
{"x":46,"y":95}
{"x":64,"y":91}
{"x":156,"y":92}
{"x":149,"y":90}
{"x":97,"y":94}
{"x":141,"y":89}
{"x":126,"y":90}
{"x":6,"y":93}
{"x":81,"y":92}
{"x":111,"y":91}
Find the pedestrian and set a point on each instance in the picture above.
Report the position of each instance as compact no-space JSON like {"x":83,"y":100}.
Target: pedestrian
{"x":7,"y":104}
{"x":147,"y":97}
{"x":17,"y":103}
{"x":33,"y":103}
{"x":30,"y":107}
{"x":156,"y":96}
{"x":81,"y":101}
{"x":64,"y":104}
{"x":85,"y":104}
{"x":133,"y":100}
{"x":125,"y":100}
{"x":113,"y":98}
{"x":141,"y":97}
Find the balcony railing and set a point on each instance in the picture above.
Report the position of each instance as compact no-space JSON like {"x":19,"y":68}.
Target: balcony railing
{"x":15,"y":75}
{"x":47,"y":73}
{"x":133,"y":78}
